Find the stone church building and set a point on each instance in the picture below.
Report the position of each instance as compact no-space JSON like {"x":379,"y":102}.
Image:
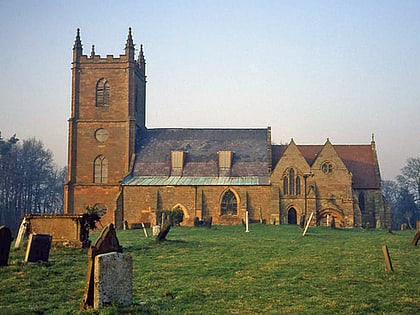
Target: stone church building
{"x":130,"y":171}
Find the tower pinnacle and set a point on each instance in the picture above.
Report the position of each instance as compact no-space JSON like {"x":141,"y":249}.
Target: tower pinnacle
{"x":141,"y":61}
{"x":77,"y":47}
{"x":129,"y":46}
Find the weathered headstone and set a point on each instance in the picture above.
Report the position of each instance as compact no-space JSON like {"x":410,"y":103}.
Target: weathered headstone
{"x":106,"y":242}
{"x":162,"y":234}
{"x":155,"y":230}
{"x":416,"y":239}
{"x":144,"y":229}
{"x":22,"y":231}
{"x":388,"y":262}
{"x":333,"y":223}
{"x":208,"y":222}
{"x":113,"y":276}
{"x":38,"y":249}
{"x":5,"y":241}
{"x":307,"y":224}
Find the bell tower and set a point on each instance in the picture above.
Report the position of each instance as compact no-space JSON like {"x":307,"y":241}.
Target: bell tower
{"x":108,"y":107}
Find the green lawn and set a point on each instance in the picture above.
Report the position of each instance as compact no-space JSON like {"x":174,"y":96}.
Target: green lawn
{"x":223,"y":270}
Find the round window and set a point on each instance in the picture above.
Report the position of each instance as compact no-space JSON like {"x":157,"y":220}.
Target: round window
{"x":101,"y":135}
{"x":327,"y":167}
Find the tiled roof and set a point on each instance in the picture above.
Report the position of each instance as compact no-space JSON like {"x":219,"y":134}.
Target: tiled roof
{"x":359,"y":160}
{"x":249,"y":147}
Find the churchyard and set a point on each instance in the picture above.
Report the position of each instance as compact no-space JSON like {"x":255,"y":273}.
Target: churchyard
{"x":224,"y":270}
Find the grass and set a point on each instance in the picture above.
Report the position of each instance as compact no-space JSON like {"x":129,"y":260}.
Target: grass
{"x":223,"y":270}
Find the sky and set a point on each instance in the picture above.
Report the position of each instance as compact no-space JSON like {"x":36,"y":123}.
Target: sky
{"x":311,"y":70}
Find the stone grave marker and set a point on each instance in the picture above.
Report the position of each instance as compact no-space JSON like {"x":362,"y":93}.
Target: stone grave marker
{"x":106,"y":242}
{"x":388,"y":262}
{"x":163,"y":233}
{"x":22,"y":231}
{"x":416,"y":239}
{"x":38,"y":249}
{"x":5,"y":241}
{"x":113,"y":277}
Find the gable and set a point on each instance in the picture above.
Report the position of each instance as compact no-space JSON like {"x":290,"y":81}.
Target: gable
{"x":360,"y":160}
{"x":290,"y":157}
{"x":328,"y":155}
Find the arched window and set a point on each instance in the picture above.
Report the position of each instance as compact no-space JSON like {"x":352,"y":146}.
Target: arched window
{"x":100,"y":172}
{"x":291,"y":181}
{"x":285,"y":185}
{"x":229,"y":203}
{"x":298,"y":185}
{"x":102,"y":93}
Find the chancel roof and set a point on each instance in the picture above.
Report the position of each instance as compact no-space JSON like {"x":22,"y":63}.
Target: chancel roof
{"x":360,"y":160}
{"x":250,"y":148}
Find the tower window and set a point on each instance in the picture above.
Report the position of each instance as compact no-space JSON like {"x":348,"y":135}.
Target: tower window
{"x":229,"y":203}
{"x":100,"y":172}
{"x":102,"y":93}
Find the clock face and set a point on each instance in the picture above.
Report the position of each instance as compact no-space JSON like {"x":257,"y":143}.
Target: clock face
{"x":101,"y":135}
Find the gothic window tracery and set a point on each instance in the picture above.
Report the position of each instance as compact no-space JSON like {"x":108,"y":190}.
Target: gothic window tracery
{"x":102,"y":93}
{"x":100,"y":172}
{"x":229,"y":203}
{"x":291,"y":183}
{"x":327,"y":167}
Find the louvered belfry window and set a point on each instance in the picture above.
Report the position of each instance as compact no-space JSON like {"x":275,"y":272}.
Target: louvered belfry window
{"x":102,"y":93}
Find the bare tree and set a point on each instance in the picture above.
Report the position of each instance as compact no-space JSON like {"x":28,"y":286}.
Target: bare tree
{"x":29,"y":180}
{"x":410,"y":177}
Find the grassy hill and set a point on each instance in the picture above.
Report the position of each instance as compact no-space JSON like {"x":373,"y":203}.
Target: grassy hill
{"x":223,"y":270}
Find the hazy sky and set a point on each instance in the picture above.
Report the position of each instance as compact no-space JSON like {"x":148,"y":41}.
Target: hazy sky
{"x":309,"y":69}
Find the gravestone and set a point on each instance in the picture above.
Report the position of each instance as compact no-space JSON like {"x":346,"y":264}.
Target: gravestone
{"x":388,"y":262}
{"x":22,"y":231}
{"x":113,"y":276}
{"x":162,"y":234}
{"x":106,"y":242}
{"x":416,"y":239}
{"x":38,"y":249}
{"x":5,"y":241}
{"x":155,"y":230}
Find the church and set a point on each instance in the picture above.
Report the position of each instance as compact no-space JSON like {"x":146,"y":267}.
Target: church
{"x":129,"y":172}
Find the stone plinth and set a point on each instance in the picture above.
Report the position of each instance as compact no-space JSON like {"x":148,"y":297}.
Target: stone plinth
{"x":113,"y":276}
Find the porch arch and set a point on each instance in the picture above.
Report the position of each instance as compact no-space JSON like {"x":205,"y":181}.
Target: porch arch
{"x":183,"y":208}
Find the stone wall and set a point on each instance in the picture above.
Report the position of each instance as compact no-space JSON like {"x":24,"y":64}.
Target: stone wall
{"x":141,"y":202}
